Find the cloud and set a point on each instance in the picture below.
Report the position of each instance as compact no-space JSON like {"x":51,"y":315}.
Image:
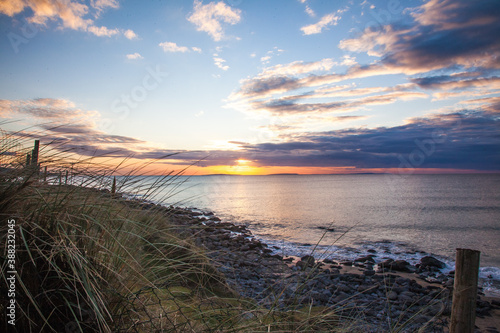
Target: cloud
{"x":444,"y":34}
{"x":297,"y":75}
{"x":292,"y":105}
{"x":457,"y":82}
{"x":64,"y":123}
{"x":71,"y":14}
{"x":219,"y":62}
{"x":208,"y":18}
{"x":324,"y":22}
{"x":466,"y":140}
{"x":12,"y":7}
{"x":265,"y":59}
{"x":445,"y":46}
{"x":101,"y":5}
{"x":269,"y":55}
{"x":310,"y":12}
{"x":298,"y":67}
{"x":103,"y":31}
{"x":47,"y":109}
{"x":173,"y":47}
{"x":134,"y":56}
{"x":129,"y":34}
{"x":308,"y":9}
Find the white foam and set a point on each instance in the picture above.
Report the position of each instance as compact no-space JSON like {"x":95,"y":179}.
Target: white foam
{"x":489,"y":277}
{"x":492,"y":273}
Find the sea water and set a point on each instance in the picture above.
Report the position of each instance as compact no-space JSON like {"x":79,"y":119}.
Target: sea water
{"x":344,"y":216}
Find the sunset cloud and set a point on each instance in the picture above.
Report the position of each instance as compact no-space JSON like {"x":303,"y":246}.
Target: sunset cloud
{"x":435,"y":142}
{"x":56,"y":111}
{"x":441,"y":141}
{"x":218,"y":81}
{"x":445,"y":33}
{"x":70,"y":14}
{"x":209,"y":17}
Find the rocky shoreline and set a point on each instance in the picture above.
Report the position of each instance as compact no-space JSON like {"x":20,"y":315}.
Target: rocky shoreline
{"x":374,"y":293}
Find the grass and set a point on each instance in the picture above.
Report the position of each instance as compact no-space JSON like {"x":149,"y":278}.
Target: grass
{"x":89,"y":261}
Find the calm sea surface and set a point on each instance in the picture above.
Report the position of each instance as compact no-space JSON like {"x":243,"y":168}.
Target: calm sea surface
{"x":390,"y":214}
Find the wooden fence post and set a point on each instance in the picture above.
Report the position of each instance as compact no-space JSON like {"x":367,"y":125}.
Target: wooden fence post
{"x":35,"y":153}
{"x":463,"y":310}
{"x":113,"y":186}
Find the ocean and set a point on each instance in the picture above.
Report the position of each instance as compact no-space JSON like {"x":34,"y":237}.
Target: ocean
{"x":344,"y":216}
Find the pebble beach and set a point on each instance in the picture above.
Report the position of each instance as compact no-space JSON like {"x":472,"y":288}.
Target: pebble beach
{"x":374,"y":292}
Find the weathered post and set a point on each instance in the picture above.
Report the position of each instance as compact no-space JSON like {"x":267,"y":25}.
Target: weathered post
{"x":113,"y":186}
{"x":28,"y":159}
{"x":45,"y":174}
{"x":463,"y":310}
{"x":35,"y":152}
{"x":66,"y":178}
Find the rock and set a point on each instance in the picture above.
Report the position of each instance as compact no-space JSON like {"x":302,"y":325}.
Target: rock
{"x":401,"y":266}
{"x":308,"y":260}
{"x":429,"y":262}
{"x":405,"y":299}
{"x":303,"y":264}
{"x":402,"y":280}
{"x":396,"y":265}
{"x":368,"y":258}
{"x":385,"y":264}
{"x":392,"y":295}
{"x":369,"y":272}
{"x":344,"y":288}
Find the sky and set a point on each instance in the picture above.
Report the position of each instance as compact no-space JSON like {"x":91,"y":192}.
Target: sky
{"x":255,"y":86}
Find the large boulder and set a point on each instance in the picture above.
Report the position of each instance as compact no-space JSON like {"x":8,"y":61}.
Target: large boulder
{"x":431,"y":262}
{"x":396,"y":265}
{"x":306,"y":261}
